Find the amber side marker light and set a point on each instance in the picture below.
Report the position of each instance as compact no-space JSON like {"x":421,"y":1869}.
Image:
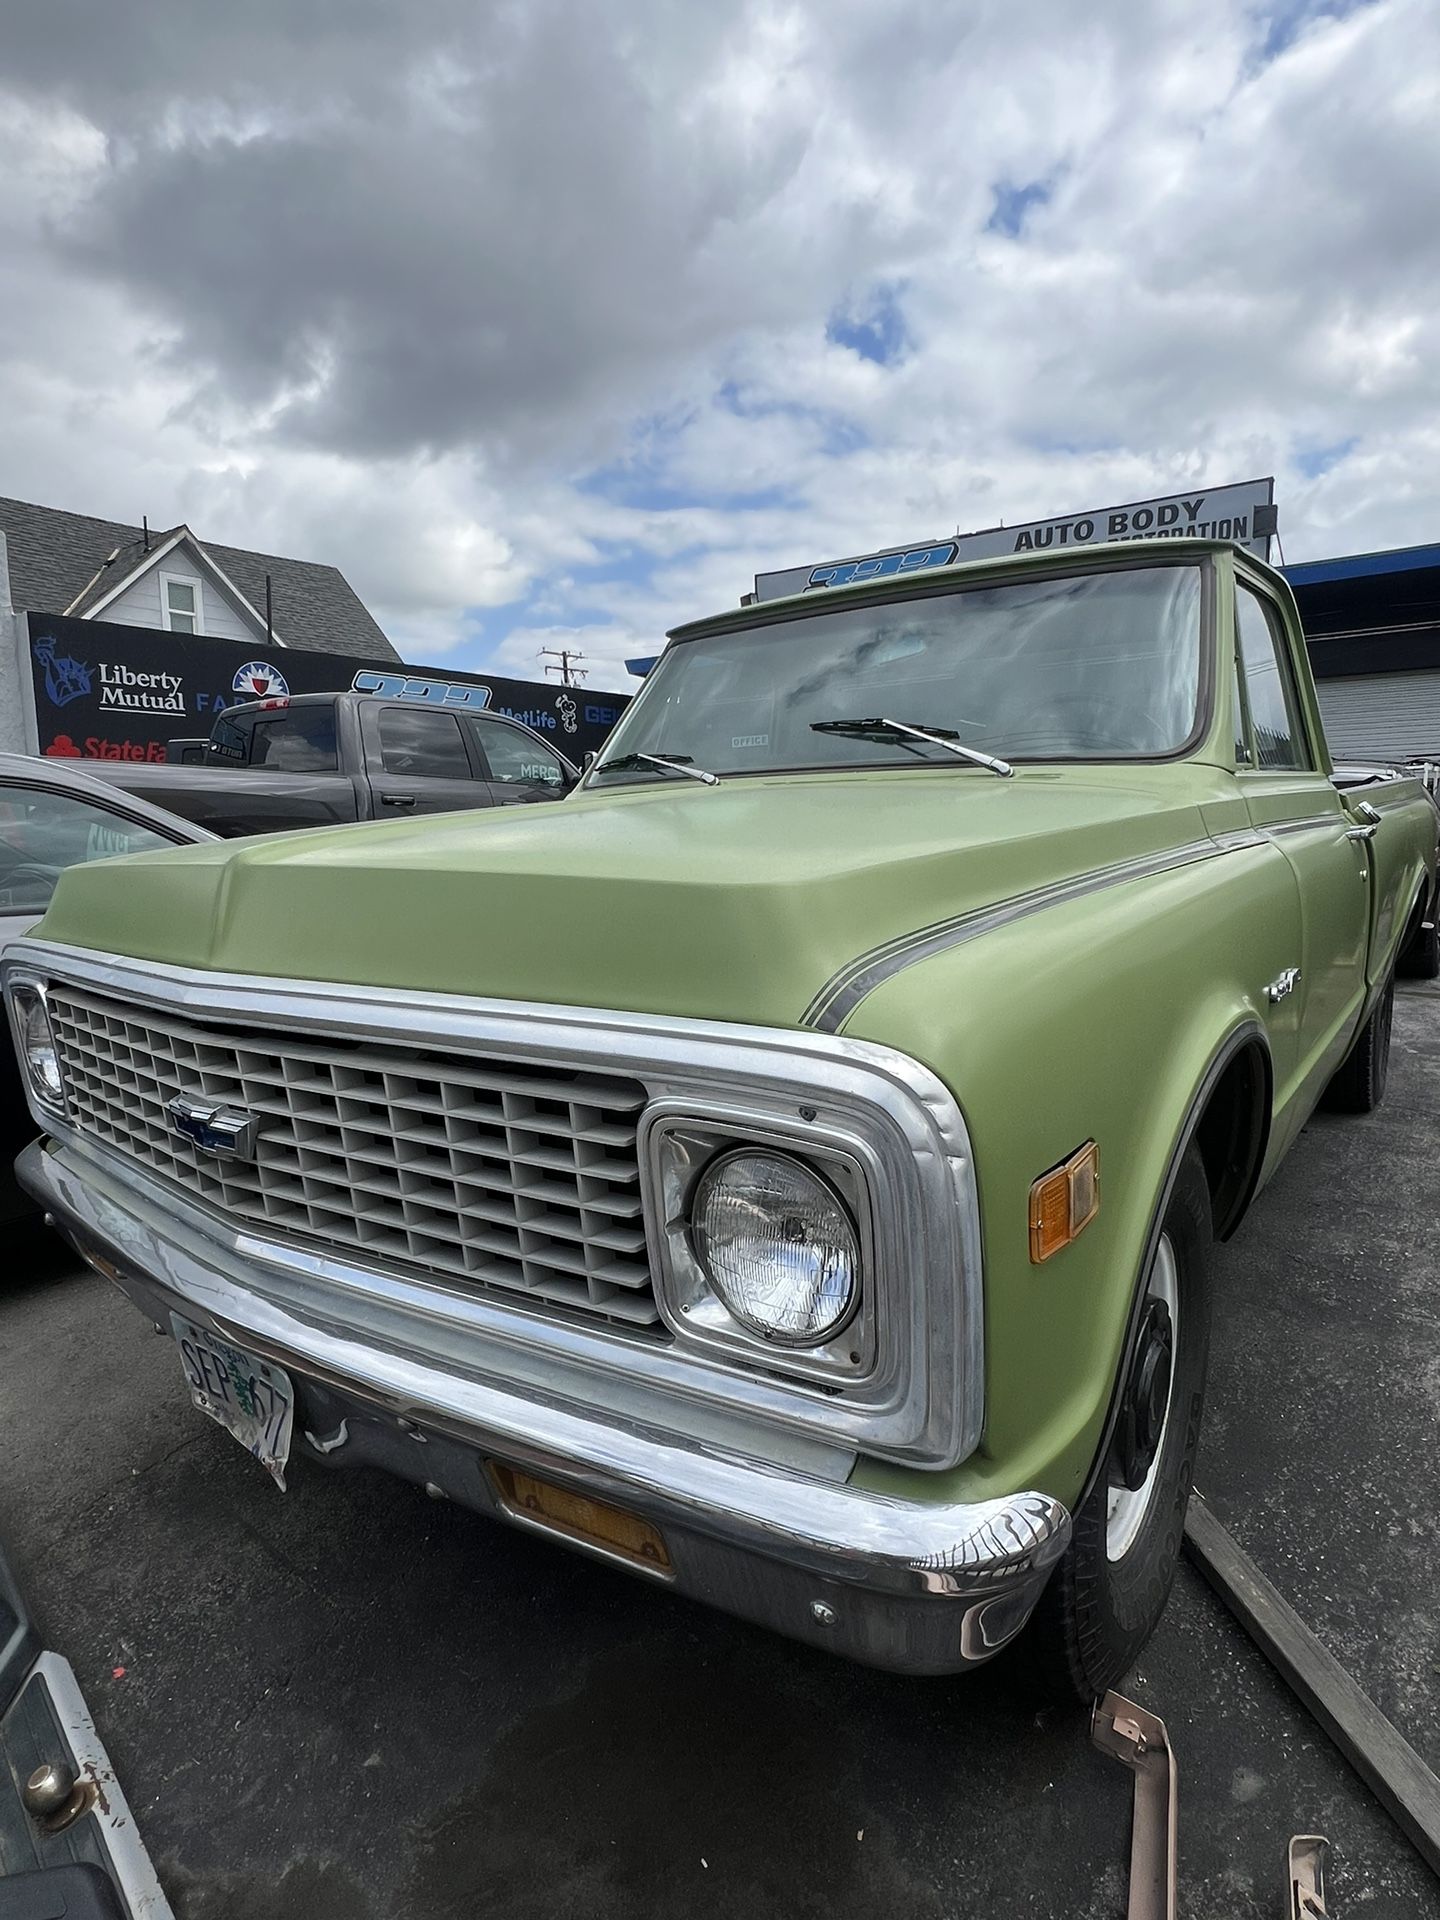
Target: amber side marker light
{"x":1064,"y":1201}
{"x":590,"y":1522}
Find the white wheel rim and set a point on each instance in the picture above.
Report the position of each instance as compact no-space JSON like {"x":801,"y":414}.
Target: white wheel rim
{"x":1126,"y":1511}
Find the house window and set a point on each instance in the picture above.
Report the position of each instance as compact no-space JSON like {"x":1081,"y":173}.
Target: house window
{"x":180,"y":604}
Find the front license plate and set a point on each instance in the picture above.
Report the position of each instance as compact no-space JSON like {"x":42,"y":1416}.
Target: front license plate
{"x":244,"y":1394}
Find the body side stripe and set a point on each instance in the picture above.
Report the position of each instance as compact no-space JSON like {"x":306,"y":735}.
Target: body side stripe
{"x":844,"y":991}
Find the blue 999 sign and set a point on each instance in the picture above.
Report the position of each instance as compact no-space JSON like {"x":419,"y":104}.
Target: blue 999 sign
{"x":405,"y":686}
{"x":849,"y":573}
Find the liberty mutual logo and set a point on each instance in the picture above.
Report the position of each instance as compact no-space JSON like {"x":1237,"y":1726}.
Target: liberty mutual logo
{"x":122,"y":686}
{"x":66,"y":678}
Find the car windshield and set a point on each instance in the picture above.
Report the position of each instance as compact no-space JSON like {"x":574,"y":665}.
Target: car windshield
{"x":1094,"y":666}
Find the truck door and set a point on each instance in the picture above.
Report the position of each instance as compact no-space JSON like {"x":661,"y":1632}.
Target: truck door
{"x":280,"y":769}
{"x":1292,"y":801}
{"x":418,"y":762}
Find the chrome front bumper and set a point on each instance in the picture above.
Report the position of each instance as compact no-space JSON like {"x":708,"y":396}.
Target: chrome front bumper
{"x":915,"y":1587}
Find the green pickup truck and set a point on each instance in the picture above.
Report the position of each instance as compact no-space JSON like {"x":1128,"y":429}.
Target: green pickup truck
{"x":789,"y":1166}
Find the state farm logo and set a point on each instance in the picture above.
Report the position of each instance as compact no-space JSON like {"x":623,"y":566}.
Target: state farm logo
{"x":258,"y":680}
{"x":62,"y":747}
{"x":123,"y":687}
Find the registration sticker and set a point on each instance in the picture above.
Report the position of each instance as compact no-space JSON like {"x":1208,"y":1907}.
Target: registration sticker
{"x":242,"y":1393}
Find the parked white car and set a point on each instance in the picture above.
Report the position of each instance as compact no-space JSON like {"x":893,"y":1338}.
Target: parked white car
{"x":53,"y":816}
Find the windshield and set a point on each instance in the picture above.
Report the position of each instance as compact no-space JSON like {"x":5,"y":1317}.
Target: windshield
{"x":1097,"y":666}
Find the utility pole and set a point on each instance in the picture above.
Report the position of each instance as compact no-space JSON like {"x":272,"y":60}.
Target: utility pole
{"x":570,"y":675}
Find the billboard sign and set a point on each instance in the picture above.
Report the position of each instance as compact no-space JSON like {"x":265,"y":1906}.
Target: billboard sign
{"x":109,"y":692}
{"x":427,"y":692}
{"x":1243,"y":512}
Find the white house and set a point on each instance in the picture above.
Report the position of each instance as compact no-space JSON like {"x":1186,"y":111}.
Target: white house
{"x":52,"y":562}
{"x":92,"y":569}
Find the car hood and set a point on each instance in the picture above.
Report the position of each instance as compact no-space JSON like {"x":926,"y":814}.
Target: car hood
{"x":734,"y":902}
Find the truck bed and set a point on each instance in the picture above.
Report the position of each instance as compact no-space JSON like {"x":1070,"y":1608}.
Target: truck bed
{"x":234,"y":801}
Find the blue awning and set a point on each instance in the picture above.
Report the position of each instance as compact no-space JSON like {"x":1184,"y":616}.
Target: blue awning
{"x":1361,"y":566}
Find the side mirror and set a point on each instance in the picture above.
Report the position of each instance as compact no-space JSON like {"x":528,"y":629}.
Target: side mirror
{"x":588,"y":762}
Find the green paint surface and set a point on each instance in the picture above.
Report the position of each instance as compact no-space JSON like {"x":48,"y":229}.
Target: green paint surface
{"x":732,"y":902}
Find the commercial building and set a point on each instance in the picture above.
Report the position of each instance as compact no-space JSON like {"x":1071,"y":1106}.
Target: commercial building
{"x":1372,"y":624}
{"x":117,"y":640}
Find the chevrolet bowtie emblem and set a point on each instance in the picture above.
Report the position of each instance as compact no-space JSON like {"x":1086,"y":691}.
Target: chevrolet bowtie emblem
{"x":228,"y":1132}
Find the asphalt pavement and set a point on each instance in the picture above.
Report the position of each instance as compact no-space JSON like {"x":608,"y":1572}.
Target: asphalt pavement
{"x":350,"y":1703}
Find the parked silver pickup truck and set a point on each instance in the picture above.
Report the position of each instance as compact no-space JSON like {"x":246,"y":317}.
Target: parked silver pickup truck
{"x":319,"y":759}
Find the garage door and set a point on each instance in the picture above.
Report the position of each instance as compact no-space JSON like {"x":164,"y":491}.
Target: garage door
{"x":1382,"y":716}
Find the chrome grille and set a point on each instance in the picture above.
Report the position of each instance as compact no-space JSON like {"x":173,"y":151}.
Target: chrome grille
{"x":503,"y":1174}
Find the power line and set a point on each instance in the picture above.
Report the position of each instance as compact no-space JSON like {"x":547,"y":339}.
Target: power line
{"x":569,"y":674}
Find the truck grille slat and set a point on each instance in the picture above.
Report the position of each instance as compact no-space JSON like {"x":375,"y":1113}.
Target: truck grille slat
{"x":477,"y":1172}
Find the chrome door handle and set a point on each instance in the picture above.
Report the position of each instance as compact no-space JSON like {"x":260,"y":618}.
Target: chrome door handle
{"x":1361,"y":833}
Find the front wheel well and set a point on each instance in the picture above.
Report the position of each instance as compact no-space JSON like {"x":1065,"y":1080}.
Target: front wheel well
{"x":1232,"y":1134}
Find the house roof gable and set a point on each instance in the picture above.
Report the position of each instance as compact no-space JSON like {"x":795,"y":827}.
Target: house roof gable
{"x":128,"y":566}
{"x":56,"y":557}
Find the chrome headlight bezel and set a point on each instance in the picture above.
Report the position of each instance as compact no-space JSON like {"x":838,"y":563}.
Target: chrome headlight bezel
{"x":25,"y":999}
{"x":681,"y":1147}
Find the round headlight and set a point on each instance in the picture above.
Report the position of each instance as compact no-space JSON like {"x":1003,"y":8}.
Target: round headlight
{"x":777,"y":1245}
{"x":37,"y":1046}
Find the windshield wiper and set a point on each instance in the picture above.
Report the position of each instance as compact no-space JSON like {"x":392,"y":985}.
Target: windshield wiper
{"x":901,"y":730}
{"x":666,"y":762}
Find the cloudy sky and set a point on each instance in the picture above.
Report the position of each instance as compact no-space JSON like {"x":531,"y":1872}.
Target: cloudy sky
{"x":550,"y":322}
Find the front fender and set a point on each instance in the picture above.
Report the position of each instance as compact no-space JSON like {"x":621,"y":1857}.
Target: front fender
{"x":1098,"y":1019}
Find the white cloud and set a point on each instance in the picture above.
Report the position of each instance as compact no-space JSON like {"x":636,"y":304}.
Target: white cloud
{"x":520,"y":315}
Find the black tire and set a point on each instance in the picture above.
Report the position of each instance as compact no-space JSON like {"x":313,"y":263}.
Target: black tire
{"x":1359,"y":1086}
{"x":1420,"y":958}
{"x":1097,"y":1613}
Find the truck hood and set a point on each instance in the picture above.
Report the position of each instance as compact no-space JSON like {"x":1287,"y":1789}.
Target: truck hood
{"x":736,"y":902}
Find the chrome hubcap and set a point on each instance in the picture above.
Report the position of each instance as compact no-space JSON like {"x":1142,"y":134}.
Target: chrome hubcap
{"x":1127,"y":1506}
